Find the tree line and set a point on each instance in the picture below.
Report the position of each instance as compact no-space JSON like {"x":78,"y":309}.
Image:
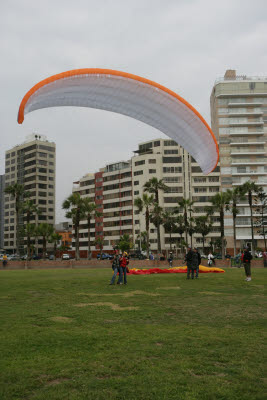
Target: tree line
{"x":25,"y":208}
{"x":180,"y":220}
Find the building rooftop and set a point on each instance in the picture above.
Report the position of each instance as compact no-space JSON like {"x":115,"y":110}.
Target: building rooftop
{"x":230,"y":76}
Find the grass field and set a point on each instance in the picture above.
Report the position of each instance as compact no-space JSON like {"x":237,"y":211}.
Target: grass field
{"x":67,"y":334}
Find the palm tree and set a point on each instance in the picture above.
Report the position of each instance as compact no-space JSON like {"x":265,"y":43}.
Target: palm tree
{"x":169,"y":223}
{"x":185,"y":205}
{"x":156,"y":217}
{"x":203,"y":226}
{"x":219,"y":203}
{"x":234,"y":195}
{"x":180,"y":229}
{"x":75,"y":206}
{"x":29,"y":208}
{"x":145,"y":202}
{"x":100,"y":242}
{"x":55,"y":238}
{"x":90,"y":211}
{"x":30,"y":232}
{"x":45,"y":231}
{"x":262,"y":197}
{"x":248,"y":188}
{"x":191,"y":229}
{"x":17,"y":191}
{"x":125,"y":242}
{"x":153,"y":186}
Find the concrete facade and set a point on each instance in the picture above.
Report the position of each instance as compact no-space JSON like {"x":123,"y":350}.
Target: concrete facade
{"x":239,"y":120}
{"x":33,"y":164}
{"x":115,"y":187}
{"x":2,"y":210}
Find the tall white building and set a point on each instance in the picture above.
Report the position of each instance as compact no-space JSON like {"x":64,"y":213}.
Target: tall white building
{"x":239,"y":120}
{"x":33,"y":164}
{"x":115,"y":187}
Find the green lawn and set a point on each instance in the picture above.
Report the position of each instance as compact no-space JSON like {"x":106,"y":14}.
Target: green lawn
{"x":67,"y":334}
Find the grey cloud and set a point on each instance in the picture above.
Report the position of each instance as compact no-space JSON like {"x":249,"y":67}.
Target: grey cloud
{"x":184,"y":45}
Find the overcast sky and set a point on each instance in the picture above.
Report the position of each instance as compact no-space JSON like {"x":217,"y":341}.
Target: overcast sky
{"x":182,"y":44}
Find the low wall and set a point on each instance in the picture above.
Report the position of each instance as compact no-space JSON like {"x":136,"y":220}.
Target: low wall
{"x":45,"y":264}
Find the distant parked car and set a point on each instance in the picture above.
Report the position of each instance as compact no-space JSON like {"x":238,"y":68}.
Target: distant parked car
{"x":13,"y":257}
{"x":36,"y":257}
{"x":218,"y":256}
{"x":51,"y":257}
{"x":104,"y":256}
{"x":65,"y":256}
{"x":138,"y":256}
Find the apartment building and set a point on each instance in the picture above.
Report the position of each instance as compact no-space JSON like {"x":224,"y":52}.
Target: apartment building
{"x":239,"y":120}
{"x":2,"y":210}
{"x":115,"y":187}
{"x":111,"y":190}
{"x":168,"y":161}
{"x":33,"y":164}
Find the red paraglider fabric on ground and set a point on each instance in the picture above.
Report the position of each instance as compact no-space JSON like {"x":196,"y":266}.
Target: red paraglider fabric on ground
{"x":174,"y":270}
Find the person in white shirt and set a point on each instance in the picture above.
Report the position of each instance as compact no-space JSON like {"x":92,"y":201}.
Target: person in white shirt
{"x":210,"y":259}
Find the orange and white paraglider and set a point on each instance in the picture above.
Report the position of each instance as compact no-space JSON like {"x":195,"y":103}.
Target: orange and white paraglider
{"x":129,"y":95}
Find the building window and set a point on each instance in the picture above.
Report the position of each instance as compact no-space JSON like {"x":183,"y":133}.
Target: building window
{"x":172,"y":151}
{"x":172,"y":170}
{"x":141,"y":162}
{"x":156,"y":143}
{"x":152,"y":161}
{"x":174,"y":160}
{"x":136,"y":192}
{"x":152,"y":171}
{"x":170,"y":143}
{"x":138,"y":173}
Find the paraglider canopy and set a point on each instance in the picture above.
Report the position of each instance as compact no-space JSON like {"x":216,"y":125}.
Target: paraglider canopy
{"x":130,"y":95}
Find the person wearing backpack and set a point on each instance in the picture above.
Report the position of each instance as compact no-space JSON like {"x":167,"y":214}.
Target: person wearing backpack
{"x":198,"y":261}
{"x":188,"y":260}
{"x":246,"y":262}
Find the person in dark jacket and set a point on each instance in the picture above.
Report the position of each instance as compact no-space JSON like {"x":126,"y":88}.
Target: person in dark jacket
{"x":115,"y":266}
{"x":198,"y":261}
{"x":188,"y":260}
{"x":170,"y":259}
{"x":246,"y":262}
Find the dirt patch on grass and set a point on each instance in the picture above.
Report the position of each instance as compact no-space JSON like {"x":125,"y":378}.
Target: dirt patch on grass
{"x":123,"y":294}
{"x":57,"y":381}
{"x":114,"y":307}
{"x":211,"y":293}
{"x":167,"y":288}
{"x":61,"y":319}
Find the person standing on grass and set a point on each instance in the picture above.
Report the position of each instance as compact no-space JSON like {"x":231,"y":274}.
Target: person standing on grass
{"x":210,"y":259}
{"x":4,"y":260}
{"x":246,"y":262}
{"x":124,"y":261}
{"x":115,"y":266}
{"x":170,"y":259}
{"x":198,"y":261}
{"x":188,"y":260}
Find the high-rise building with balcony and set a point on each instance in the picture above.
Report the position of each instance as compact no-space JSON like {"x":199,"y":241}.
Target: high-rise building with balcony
{"x":239,"y":120}
{"x":33,"y":164}
{"x":115,"y":187}
{"x":2,"y":210}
